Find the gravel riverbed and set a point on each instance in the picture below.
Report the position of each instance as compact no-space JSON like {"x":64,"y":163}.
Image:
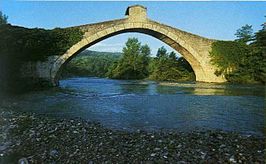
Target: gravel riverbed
{"x":28,"y":138}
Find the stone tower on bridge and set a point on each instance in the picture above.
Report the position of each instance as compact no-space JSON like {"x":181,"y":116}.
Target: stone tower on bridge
{"x":136,"y":12}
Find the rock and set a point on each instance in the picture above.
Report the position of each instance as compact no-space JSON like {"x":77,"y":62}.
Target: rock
{"x":222,"y":146}
{"x":232,"y":159}
{"x":157,"y":149}
{"x":220,"y":137}
{"x":98,"y":143}
{"x":54,"y":153}
{"x":203,"y":155}
{"x":23,"y":161}
{"x":75,"y":132}
{"x":153,"y":154}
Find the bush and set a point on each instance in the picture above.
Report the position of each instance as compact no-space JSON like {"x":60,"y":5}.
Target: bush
{"x":36,"y":44}
{"x":19,"y":44}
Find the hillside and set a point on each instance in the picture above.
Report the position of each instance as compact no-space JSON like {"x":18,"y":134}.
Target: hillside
{"x":98,"y":53}
{"x":91,"y":63}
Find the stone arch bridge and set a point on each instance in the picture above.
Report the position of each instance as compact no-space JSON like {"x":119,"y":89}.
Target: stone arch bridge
{"x":195,"y":49}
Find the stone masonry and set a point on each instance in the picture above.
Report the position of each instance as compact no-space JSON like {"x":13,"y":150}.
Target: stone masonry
{"x":195,"y":49}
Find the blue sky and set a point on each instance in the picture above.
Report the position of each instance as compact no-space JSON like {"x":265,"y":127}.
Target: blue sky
{"x":218,"y":20}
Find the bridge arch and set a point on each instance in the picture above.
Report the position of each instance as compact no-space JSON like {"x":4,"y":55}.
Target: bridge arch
{"x":193,"y":48}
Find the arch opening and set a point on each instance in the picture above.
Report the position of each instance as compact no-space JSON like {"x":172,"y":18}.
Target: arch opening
{"x":88,"y":41}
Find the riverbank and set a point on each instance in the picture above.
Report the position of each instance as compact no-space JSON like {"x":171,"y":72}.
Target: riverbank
{"x":35,"y":139}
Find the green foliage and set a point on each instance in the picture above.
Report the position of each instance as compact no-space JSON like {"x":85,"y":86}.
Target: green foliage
{"x":18,"y":45}
{"x":228,"y":55}
{"x":258,"y":58}
{"x":166,"y":67}
{"x":244,"y":34}
{"x":3,"y":18}
{"x":260,"y":39}
{"x":36,"y":44}
{"x":91,"y":63}
{"x":241,"y":63}
{"x":162,"y":52}
{"x":133,"y":63}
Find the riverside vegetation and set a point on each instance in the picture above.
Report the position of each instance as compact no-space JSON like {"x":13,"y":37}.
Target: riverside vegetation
{"x":19,"y":45}
{"x":242,"y":60}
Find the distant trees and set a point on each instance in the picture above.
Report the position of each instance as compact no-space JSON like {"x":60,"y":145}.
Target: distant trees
{"x":133,"y":63}
{"x":136,"y":63}
{"x":3,"y":18}
{"x":91,"y":63}
{"x":245,"y":34}
{"x":166,"y":67}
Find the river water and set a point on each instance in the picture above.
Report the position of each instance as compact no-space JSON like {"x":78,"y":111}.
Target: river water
{"x":147,"y":105}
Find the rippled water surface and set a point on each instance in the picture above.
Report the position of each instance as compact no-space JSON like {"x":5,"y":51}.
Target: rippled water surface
{"x":148,"y":105}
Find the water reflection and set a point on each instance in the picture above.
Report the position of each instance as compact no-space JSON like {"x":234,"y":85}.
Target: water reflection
{"x":134,"y":87}
{"x":212,"y":89}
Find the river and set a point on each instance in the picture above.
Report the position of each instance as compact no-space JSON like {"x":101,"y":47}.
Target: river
{"x":147,"y":105}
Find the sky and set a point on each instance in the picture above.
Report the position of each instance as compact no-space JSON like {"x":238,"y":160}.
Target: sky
{"x":217,"y":20}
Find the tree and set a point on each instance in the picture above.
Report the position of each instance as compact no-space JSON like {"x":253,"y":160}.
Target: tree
{"x":260,"y":39}
{"x":172,"y":55}
{"x":133,"y":63}
{"x":162,"y":52}
{"x":3,"y":18}
{"x":240,"y":62}
{"x":90,"y":63}
{"x":184,"y":65}
{"x":245,"y":34}
{"x":145,"y":59}
{"x":228,"y":55}
{"x":264,"y":25}
{"x":258,"y":57}
{"x":166,"y":67}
